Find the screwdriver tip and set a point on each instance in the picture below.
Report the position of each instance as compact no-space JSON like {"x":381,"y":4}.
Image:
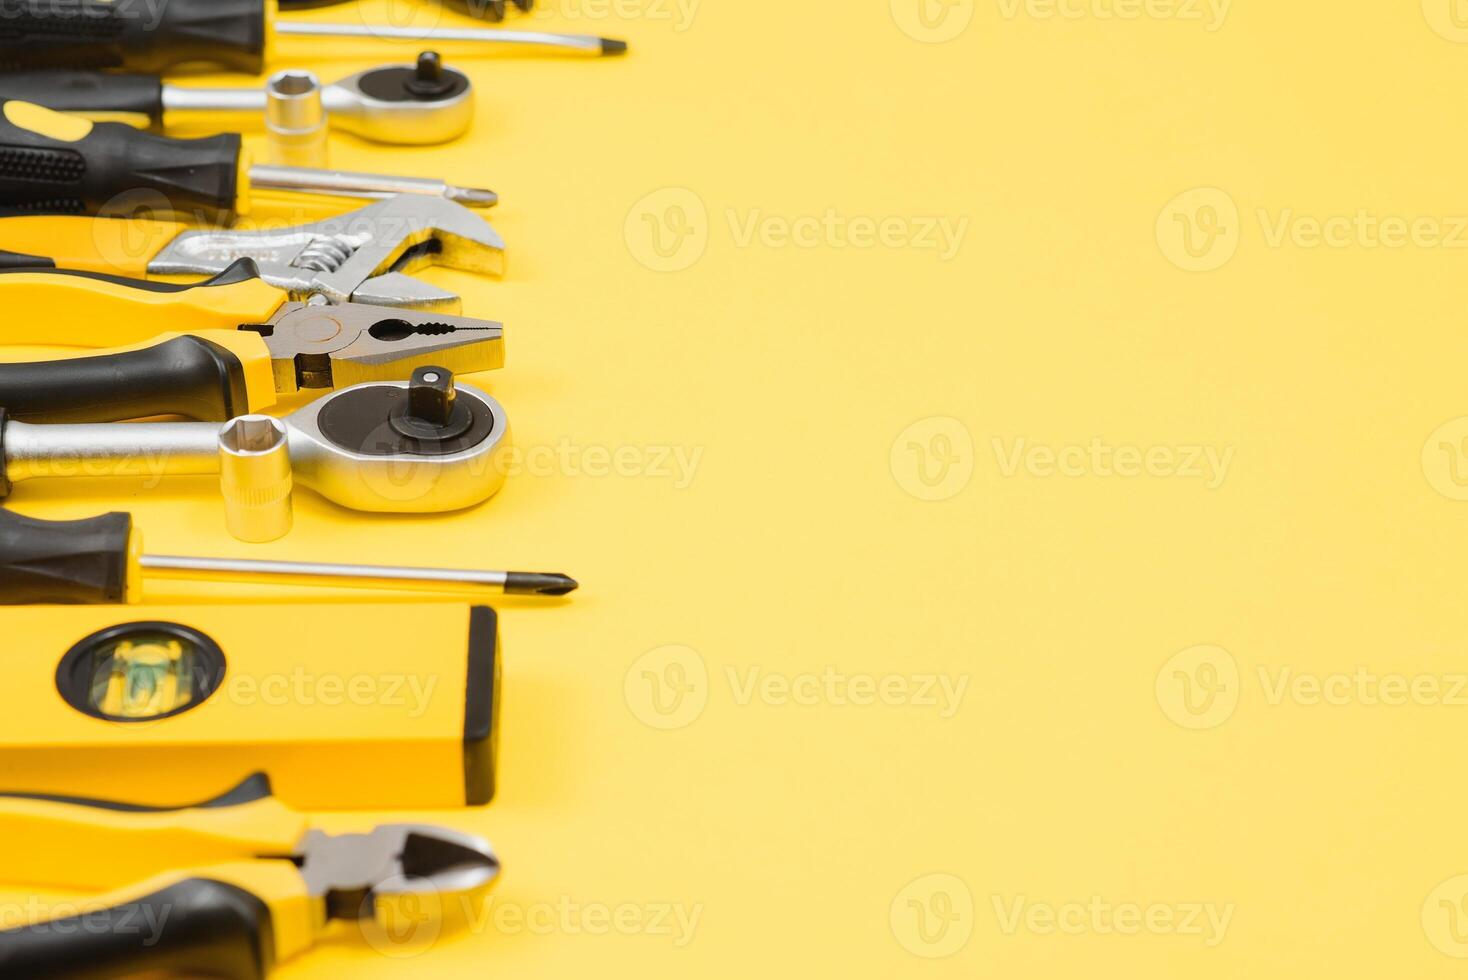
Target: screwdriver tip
{"x":539,"y":583}
{"x":474,"y":197}
{"x":611,"y":45}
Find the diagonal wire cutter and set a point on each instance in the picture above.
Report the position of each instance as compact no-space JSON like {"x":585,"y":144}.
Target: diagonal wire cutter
{"x":235,"y":344}
{"x":251,"y":882}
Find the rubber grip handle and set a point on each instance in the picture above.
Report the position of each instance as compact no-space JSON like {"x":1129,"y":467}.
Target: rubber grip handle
{"x":183,"y":375}
{"x":141,"y":35}
{"x":69,"y":562}
{"x":192,"y":927}
{"x":57,"y":164}
{"x":88,"y":91}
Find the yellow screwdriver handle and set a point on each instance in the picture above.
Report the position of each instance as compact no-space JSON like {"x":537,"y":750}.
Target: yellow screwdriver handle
{"x":79,"y":309}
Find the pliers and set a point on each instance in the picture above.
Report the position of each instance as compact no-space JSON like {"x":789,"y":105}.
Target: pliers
{"x":251,"y":882}
{"x":237,"y":343}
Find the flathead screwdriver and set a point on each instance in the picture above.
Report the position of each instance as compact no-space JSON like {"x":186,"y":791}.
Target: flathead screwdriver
{"x":100,"y":560}
{"x":55,"y":162}
{"x":230,"y":34}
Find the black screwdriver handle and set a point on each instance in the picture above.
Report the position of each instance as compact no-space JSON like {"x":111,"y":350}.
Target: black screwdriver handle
{"x":58,"y":164}
{"x":66,"y":562}
{"x":141,"y":35}
{"x":87,"y":91}
{"x":184,"y":375}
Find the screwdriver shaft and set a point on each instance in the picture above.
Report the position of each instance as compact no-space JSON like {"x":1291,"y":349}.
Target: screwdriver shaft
{"x":368,"y":576}
{"x":347,"y":183}
{"x":574,"y":42}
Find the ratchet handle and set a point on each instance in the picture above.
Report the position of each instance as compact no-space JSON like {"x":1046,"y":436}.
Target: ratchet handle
{"x":134,"y":34}
{"x":89,"y":92}
{"x":64,"y":562}
{"x":181,"y":375}
{"x":55,"y":163}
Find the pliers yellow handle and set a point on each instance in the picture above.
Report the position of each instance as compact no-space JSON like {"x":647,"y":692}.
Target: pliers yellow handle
{"x":232,"y":344}
{"x":227,"y":888}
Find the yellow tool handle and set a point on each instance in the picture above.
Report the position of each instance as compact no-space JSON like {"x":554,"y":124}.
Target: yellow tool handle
{"x":119,"y":247}
{"x":234,"y":920}
{"x":84,"y":309}
{"x":92,"y":844}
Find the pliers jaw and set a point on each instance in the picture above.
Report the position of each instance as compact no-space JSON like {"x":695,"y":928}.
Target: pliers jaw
{"x":336,"y":346}
{"x":355,"y":874}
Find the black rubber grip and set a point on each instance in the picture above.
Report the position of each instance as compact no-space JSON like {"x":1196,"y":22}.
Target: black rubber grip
{"x":141,"y":35}
{"x":115,"y":169}
{"x":87,"y":91}
{"x":186,"y":375}
{"x":67,"y":562}
{"x":195,"y":927}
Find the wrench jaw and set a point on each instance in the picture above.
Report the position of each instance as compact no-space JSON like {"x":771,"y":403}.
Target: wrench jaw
{"x":361,"y":256}
{"x":352,"y":343}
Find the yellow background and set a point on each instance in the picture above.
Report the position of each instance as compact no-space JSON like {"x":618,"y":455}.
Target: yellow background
{"x":1121,"y":279}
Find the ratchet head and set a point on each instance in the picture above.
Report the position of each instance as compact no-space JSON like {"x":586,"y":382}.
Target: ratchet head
{"x":413,"y":104}
{"x":355,"y":873}
{"x":420,"y":446}
{"x":362,"y":256}
{"x":352,"y":343}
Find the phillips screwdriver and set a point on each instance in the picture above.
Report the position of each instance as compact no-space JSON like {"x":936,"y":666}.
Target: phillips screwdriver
{"x":57,"y":163}
{"x":100,"y":560}
{"x":232,"y":34}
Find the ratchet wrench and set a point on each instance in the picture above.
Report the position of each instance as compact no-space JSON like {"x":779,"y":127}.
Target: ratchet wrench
{"x":417,"y":104}
{"x":411,"y":447}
